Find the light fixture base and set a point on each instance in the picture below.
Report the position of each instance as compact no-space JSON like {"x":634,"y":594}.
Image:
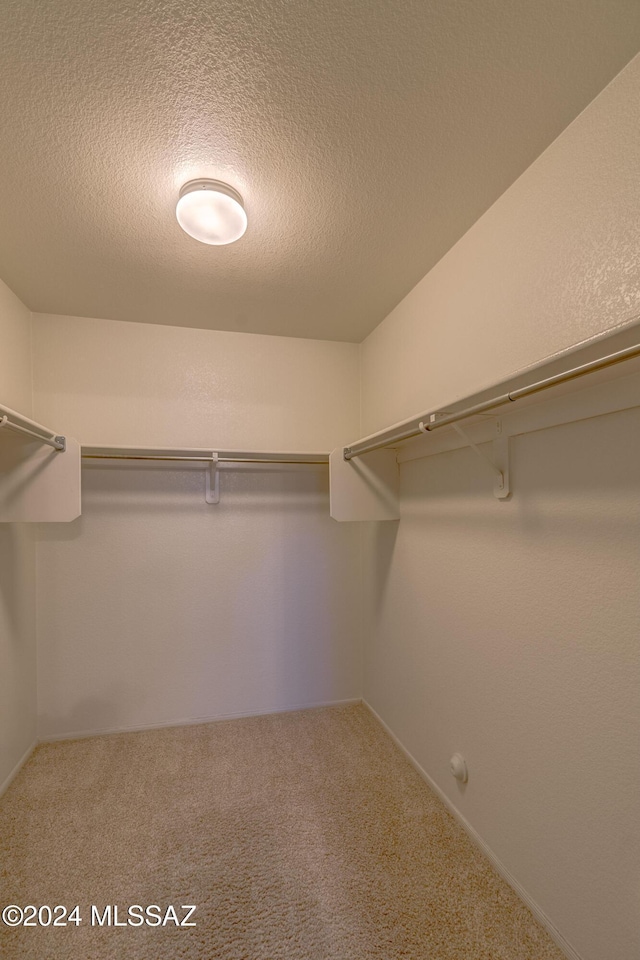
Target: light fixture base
{"x":217,"y":185}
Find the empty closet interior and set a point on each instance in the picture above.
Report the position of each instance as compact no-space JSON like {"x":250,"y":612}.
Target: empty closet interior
{"x":399,"y":557}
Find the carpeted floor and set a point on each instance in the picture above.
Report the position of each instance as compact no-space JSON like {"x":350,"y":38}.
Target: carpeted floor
{"x":305,"y":836}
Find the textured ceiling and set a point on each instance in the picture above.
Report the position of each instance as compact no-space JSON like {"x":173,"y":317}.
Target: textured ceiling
{"x":365,"y":136}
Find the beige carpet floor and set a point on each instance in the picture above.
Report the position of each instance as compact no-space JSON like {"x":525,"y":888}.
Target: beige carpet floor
{"x":305,"y":836}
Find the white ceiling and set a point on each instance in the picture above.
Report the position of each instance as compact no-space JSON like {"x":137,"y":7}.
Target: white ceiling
{"x":366,"y":136}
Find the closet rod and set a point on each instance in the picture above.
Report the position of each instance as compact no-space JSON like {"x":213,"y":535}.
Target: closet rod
{"x":200,"y":454}
{"x":431,"y":421}
{"x":113,"y":456}
{"x":14,"y":421}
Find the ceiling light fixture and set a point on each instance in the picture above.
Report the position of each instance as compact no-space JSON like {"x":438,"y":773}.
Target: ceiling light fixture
{"x":211,"y":212}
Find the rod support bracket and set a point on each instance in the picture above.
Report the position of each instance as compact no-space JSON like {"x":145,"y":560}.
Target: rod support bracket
{"x":498,"y":462}
{"x":212,"y":492}
{"x":425,"y":426}
{"x":61,"y":443}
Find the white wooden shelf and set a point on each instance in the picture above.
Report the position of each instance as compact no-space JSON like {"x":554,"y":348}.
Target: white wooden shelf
{"x":40,"y":469}
{"x":206,"y":455}
{"x":366,"y":488}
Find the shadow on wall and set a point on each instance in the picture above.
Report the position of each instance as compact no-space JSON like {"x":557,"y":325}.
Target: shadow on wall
{"x":14,"y":544}
{"x":89,"y":716}
{"x":59,"y":532}
{"x":9,"y":566}
{"x":571,"y":474}
{"x":152,"y":488}
{"x":384,"y":536}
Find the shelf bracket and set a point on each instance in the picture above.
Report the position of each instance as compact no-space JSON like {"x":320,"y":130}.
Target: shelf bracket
{"x":498,"y":463}
{"x":212,"y":493}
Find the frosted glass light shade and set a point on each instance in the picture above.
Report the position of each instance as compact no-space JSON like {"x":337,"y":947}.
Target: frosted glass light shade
{"x":211,"y":212}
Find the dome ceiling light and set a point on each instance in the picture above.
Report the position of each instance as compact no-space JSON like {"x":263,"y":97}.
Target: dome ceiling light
{"x":211,"y":212}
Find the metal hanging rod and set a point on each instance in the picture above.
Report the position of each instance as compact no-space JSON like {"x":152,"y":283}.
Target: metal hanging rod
{"x":119,"y":456}
{"x":202,"y":456}
{"x":14,"y":421}
{"x":431,"y":421}
{"x":115,"y":456}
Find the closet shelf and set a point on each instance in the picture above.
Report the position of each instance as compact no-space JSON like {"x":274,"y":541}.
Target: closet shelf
{"x":364,"y":475}
{"x":426,"y":422}
{"x":202,"y":455}
{"x":40,"y":484}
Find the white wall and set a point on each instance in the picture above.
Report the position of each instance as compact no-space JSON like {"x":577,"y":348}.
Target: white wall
{"x":17,"y":558}
{"x":155,"y":607}
{"x":508,"y":630}
{"x":553,"y":263}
